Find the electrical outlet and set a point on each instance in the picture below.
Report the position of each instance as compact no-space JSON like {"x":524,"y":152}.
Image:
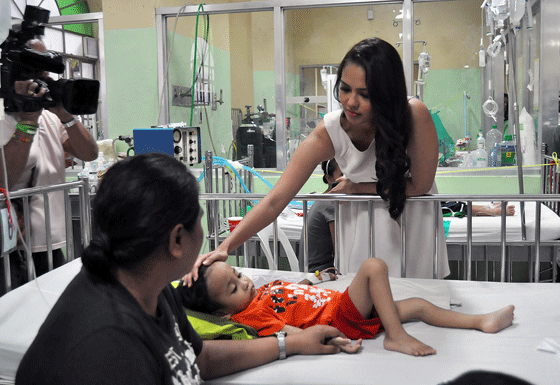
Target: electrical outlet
{"x":181,"y":96}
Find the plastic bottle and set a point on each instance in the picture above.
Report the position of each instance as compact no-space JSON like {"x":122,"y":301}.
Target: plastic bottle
{"x":493,"y":136}
{"x":496,"y":155}
{"x":480,"y":140}
{"x":85,"y":170}
{"x":481,"y":57}
{"x":93,"y":176}
{"x":480,"y":156}
{"x":508,"y":151}
{"x":100,"y":161}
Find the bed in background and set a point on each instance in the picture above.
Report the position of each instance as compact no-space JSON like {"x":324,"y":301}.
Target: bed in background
{"x":513,"y":350}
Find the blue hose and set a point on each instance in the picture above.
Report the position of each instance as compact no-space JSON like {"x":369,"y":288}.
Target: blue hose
{"x":216,"y":160}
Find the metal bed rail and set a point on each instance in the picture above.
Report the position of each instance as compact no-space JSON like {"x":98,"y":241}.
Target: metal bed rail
{"x":551,"y":180}
{"x":85,"y":222}
{"x":218,"y":179}
{"x":436,"y":199}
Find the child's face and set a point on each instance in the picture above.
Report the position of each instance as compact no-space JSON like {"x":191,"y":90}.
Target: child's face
{"x":229,"y":287}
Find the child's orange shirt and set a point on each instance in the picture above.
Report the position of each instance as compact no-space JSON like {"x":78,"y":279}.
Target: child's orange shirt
{"x":282,"y":303}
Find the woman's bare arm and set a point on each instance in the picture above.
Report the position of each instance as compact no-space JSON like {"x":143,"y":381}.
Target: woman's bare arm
{"x":246,"y":354}
{"x":313,"y":150}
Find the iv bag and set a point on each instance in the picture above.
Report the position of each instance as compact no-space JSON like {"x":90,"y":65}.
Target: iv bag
{"x":500,"y":11}
{"x":517,"y":10}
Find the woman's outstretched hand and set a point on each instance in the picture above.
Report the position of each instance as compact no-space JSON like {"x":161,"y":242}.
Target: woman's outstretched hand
{"x":207,"y":259}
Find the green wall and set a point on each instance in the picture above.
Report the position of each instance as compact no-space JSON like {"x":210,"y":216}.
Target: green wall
{"x":131,"y":68}
{"x":215,"y":126}
{"x":444,"y":92}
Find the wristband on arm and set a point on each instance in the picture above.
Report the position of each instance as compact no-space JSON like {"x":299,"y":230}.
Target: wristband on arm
{"x":281,"y":336}
{"x":27,"y":127}
{"x":70,"y":123}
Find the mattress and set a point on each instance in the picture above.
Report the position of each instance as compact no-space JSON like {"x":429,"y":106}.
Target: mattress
{"x":513,"y":350}
{"x":488,"y":229}
{"x":484,"y":228}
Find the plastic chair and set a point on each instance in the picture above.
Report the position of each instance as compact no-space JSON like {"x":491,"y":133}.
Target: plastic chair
{"x":265,"y":235}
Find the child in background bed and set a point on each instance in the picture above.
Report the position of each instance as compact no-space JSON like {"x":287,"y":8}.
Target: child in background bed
{"x":362,"y":311}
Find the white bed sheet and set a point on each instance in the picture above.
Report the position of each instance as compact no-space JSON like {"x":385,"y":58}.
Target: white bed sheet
{"x":512,"y":351}
{"x":488,"y":229}
{"x":484,"y":228}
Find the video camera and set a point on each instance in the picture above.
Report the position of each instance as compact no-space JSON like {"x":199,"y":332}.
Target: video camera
{"x":20,"y":62}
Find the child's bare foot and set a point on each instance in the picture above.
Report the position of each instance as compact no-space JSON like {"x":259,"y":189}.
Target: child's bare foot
{"x":408,"y":345}
{"x":498,"y":320}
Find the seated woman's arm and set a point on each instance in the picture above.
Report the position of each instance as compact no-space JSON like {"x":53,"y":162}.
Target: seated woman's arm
{"x":220,"y":357}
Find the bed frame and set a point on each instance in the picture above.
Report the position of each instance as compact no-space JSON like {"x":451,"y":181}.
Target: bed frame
{"x":82,"y":187}
{"x":501,"y":260}
{"x":224,"y":197}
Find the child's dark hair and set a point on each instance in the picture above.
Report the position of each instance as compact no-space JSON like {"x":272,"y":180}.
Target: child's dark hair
{"x":196,"y":297}
{"x":139,"y":201}
{"x":328,"y":166}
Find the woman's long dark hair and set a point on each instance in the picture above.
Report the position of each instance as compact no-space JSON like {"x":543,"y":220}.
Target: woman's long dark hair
{"x":392,"y":117}
{"x":139,"y":201}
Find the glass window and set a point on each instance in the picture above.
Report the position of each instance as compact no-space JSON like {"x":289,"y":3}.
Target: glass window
{"x":314,"y":42}
{"x":233,"y":82}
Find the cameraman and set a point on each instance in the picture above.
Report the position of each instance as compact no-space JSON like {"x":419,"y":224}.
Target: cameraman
{"x":34,"y":145}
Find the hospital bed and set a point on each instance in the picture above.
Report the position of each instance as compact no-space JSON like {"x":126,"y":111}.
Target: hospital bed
{"x":514,"y":350}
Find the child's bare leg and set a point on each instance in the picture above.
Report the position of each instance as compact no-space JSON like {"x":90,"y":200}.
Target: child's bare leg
{"x":370,"y":289}
{"x":493,"y":210}
{"x":417,"y":308}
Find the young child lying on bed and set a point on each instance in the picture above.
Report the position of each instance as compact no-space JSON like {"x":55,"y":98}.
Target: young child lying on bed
{"x":363,"y":310}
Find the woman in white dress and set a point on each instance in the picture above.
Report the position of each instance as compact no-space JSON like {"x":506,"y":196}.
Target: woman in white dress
{"x":385,"y":144}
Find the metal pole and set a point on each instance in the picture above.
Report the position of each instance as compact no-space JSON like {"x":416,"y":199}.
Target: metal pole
{"x":27,"y":225}
{"x":538,"y":241}
{"x":468,"y":267}
{"x":69,"y":228}
{"x":503,"y":243}
{"x":337,"y":231}
{"x":403,"y":243}
{"x":216,"y":222}
{"x":437,"y":213}
{"x":208,"y":188}
{"x":48,"y":235}
{"x":305,"y":244}
{"x":275,"y":242}
{"x":371,"y":229}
